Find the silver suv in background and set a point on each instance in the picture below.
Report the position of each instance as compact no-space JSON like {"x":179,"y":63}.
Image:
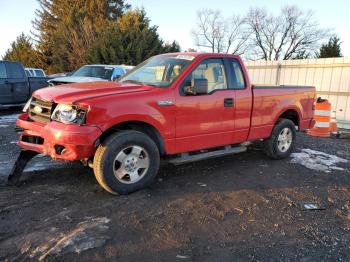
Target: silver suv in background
{"x":91,"y":73}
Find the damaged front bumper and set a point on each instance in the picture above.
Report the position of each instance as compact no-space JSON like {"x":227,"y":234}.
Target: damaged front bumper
{"x":58,"y":140}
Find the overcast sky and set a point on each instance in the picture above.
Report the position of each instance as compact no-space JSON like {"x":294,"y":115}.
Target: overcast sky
{"x":176,"y":18}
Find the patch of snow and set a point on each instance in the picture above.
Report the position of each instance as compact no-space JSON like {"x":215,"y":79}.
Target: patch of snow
{"x":85,"y":235}
{"x":9,"y":118}
{"x":317,"y":160}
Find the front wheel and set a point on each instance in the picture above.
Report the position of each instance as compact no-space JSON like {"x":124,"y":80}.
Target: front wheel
{"x":282,"y":140}
{"x":126,"y":162}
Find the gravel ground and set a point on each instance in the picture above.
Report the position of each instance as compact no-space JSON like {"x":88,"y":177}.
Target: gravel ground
{"x":239,"y":207}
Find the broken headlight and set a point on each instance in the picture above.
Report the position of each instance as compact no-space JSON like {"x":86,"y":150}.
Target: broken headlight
{"x":69,"y":114}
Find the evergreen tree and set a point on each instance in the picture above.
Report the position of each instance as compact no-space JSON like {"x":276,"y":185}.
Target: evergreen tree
{"x":171,"y":48}
{"x":331,"y":49}
{"x":65,"y":29}
{"x":71,"y":33}
{"x":130,"y":40}
{"x":22,"y":50}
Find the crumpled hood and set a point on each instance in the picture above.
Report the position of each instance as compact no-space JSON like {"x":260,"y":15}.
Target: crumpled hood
{"x":76,"y":79}
{"x":71,"y":93}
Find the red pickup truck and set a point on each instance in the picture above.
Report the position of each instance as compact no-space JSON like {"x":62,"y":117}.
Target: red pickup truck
{"x":186,"y":106}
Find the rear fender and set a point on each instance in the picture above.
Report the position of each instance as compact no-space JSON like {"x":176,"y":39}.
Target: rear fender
{"x":284,"y":110}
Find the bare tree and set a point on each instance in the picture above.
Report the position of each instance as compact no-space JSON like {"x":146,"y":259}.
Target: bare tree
{"x":237,"y":35}
{"x":218,"y":34}
{"x":292,"y":34}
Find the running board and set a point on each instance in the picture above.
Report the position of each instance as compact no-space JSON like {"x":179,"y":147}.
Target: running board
{"x":187,"y":158}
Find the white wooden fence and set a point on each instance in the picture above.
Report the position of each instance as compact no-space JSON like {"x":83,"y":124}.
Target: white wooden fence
{"x":330,"y":76}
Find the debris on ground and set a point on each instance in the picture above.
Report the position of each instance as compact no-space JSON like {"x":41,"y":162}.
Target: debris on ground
{"x":302,"y":205}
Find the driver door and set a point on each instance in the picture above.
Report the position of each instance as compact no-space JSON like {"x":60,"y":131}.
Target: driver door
{"x":205,"y":120}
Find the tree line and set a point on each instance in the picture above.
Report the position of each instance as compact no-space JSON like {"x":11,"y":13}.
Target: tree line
{"x":291,"y":34}
{"x":68,"y":34}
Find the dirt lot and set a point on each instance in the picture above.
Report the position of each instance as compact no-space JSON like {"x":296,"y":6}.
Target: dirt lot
{"x":239,"y":207}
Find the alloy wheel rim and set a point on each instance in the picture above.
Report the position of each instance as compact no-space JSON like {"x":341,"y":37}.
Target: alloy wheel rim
{"x":284,"y":140}
{"x":131,"y":164}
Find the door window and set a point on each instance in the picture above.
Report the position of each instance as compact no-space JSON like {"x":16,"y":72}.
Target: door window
{"x":15,"y":69}
{"x":3,"y":73}
{"x":237,"y":75}
{"x":211,"y":70}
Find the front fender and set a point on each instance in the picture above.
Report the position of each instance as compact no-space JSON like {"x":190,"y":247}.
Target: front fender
{"x":142,"y":107}
{"x":157,"y":121}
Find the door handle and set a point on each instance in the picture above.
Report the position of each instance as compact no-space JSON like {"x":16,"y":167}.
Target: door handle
{"x":228,"y":102}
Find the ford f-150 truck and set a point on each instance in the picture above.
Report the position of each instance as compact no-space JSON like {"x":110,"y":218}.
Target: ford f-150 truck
{"x":181,"y":107}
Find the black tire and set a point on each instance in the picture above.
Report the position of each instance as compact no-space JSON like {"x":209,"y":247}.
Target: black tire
{"x":104,"y":161}
{"x":271,"y":144}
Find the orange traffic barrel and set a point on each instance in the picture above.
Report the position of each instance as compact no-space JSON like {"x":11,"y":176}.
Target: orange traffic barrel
{"x":322,"y":117}
{"x":333,"y":126}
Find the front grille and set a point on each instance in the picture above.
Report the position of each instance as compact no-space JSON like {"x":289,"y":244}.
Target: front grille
{"x":40,"y":110}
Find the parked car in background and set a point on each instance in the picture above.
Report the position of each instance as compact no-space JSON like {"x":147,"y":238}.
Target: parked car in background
{"x":91,"y":73}
{"x":34,"y":72}
{"x":181,"y":106}
{"x":15,"y":86}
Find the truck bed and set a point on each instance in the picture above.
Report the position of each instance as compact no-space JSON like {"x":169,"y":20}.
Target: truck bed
{"x":269,"y":102}
{"x":36,"y":83}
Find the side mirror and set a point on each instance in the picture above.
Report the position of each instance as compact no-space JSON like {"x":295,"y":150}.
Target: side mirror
{"x":197,"y":87}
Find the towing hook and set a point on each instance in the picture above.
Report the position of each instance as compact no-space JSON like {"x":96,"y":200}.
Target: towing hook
{"x":24,"y":157}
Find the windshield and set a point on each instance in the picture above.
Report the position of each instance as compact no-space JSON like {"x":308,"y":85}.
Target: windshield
{"x":159,"y":71}
{"x":104,"y":72}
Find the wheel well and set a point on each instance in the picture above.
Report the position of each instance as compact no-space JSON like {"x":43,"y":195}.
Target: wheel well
{"x":291,"y":115}
{"x":142,"y":127}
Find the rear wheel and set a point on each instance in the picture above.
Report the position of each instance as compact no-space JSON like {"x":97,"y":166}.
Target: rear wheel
{"x":126,"y":162}
{"x":282,"y":140}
